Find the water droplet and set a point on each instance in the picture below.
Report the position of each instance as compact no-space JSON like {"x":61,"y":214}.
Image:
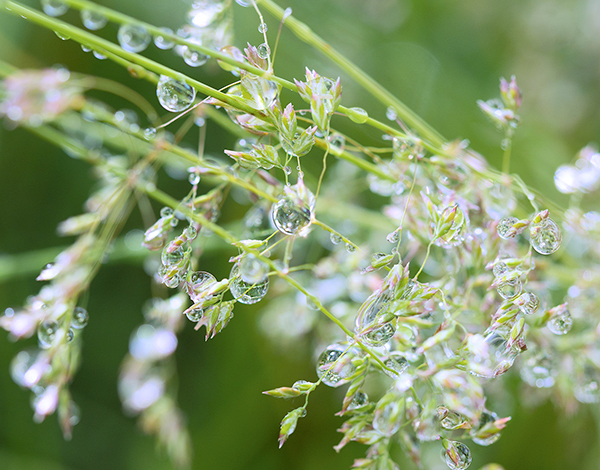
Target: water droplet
{"x":358,"y":115}
{"x":386,"y":420}
{"x":337,"y":141}
{"x":262,"y":92}
{"x":93,"y":20}
{"x":62,"y":36}
{"x":163,"y":42}
{"x":350,"y":248}
{"x":190,"y":232}
{"x":505,"y":227}
{"x":98,"y":55}
{"x":252,"y":269}
{"x":262,"y":28}
{"x":500,"y":268}
{"x":54,"y":7}
{"x":538,"y":371}
{"x":85,"y":48}
{"x":292,"y":215}
{"x":194,"y":315}
{"x":587,"y":385}
{"x":490,"y":355}
{"x":393,"y":237}
{"x":379,"y":336}
{"x":457,"y":455}
{"x":173,"y":95}
{"x":171,"y":258}
{"x":510,"y":289}
{"x":391,"y":114}
{"x":243,"y":3}
{"x":339,"y":373}
{"x":528,"y":303}
{"x":479,"y":435}
{"x":150,"y":133}
{"x":301,"y":385}
{"x":398,"y":363}
{"x":561,"y":323}
{"x":70,"y":335}
{"x":194,"y":178}
{"x":335,"y":238}
{"x":194,"y":58}
{"x":245,"y":292}
{"x":287,"y":170}
{"x":80,"y":318}
{"x":263,"y":50}
{"x":166,"y":212}
{"x":47,"y":333}
{"x":173,"y":281}
{"x":133,"y":38}
{"x":359,"y":400}
{"x":545,"y":237}
{"x":449,"y":419}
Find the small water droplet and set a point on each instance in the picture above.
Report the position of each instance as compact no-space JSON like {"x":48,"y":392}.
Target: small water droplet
{"x":339,"y":373}
{"x":479,"y":435}
{"x":198,"y":283}
{"x":47,"y":333}
{"x":358,"y":115}
{"x":54,"y":7}
{"x":262,"y":28}
{"x":545,"y":237}
{"x":162,"y":42}
{"x":190,"y":232}
{"x":505,"y":228}
{"x":98,"y":55}
{"x":449,"y":419}
{"x":458,"y":455}
{"x":510,"y":289}
{"x":194,"y":315}
{"x":263,"y":50}
{"x":150,"y":133}
{"x":173,"y":95}
{"x":287,"y":170}
{"x":194,"y":178}
{"x":337,"y":141}
{"x":398,"y":363}
{"x":335,"y":238}
{"x":245,"y":292}
{"x":64,"y":37}
{"x":93,"y":20}
{"x":359,"y":400}
{"x":133,"y":38}
{"x":391,"y":114}
{"x":393,"y":237}
{"x":80,"y":318}
{"x":499,"y":269}
{"x":194,"y":58}
{"x":70,"y":335}
{"x":166,"y":212}
{"x":528,"y":302}
{"x":561,"y":323}
{"x":85,"y":48}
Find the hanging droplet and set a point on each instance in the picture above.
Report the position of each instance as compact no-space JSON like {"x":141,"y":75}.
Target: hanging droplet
{"x":194,"y":178}
{"x":133,"y":38}
{"x":538,"y":371}
{"x":98,"y":55}
{"x":358,"y":115}
{"x":170,"y":258}
{"x":252,"y":269}
{"x":479,"y":435}
{"x":391,"y":114}
{"x":194,"y":58}
{"x":93,"y":20}
{"x":190,"y":232}
{"x":262,"y":28}
{"x":80,"y":318}
{"x":561,"y":323}
{"x":499,"y":269}
{"x":528,"y":303}
{"x":245,"y":292}
{"x":350,"y":248}
{"x":291,"y":216}
{"x":166,"y":212}
{"x":448,"y":418}
{"x":85,"y":48}
{"x":173,"y":95}
{"x":47,"y":333}
{"x":458,"y":455}
{"x":510,"y":289}
{"x":335,"y":238}
{"x":398,"y":363}
{"x":70,"y":335}
{"x":337,"y":141}
{"x":150,"y":133}
{"x":545,"y":237}
{"x":197,"y":284}
{"x":379,"y":336}
{"x":505,"y":227}
{"x":64,"y":37}
{"x":359,"y":400}
{"x":173,"y":281}
{"x":263,"y":50}
{"x":393,"y":237}
{"x":162,"y":42}
{"x":54,"y":7}
{"x":340,"y":371}
{"x":194,"y":315}
{"x":287,"y":170}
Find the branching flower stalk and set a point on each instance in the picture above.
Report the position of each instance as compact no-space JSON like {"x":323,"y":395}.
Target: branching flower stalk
{"x":462,"y":290}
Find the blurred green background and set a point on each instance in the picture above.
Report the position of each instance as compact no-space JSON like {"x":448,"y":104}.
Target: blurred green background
{"x":439,"y":57}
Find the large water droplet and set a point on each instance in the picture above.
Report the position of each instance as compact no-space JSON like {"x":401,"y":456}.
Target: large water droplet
{"x":339,"y":373}
{"x":449,"y":419}
{"x":491,"y":356}
{"x":47,"y":333}
{"x":561,"y":323}
{"x":335,"y":238}
{"x":379,"y":336}
{"x":252,"y":269}
{"x":545,"y":237}
{"x":528,"y":302}
{"x":263,"y":50}
{"x":173,"y":95}
{"x":458,"y":455}
{"x":500,"y":268}
{"x":291,"y":216}
{"x":358,"y":115}
{"x":133,"y":38}
{"x":93,"y":20}
{"x":245,"y":292}
{"x":510,"y":289}
{"x":198,"y":283}
{"x":359,"y":400}
{"x":54,"y":7}
{"x":398,"y":363}
{"x":479,"y":435}
{"x":80,"y":318}
{"x":162,"y":42}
